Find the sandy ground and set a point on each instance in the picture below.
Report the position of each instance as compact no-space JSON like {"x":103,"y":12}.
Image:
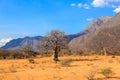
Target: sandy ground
{"x":46,"y":69}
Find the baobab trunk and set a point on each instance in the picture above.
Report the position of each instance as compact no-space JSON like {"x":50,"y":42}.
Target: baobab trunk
{"x":56,"y":53}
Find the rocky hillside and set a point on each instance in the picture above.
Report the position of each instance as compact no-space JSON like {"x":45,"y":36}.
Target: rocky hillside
{"x":87,"y":32}
{"x":106,"y":35}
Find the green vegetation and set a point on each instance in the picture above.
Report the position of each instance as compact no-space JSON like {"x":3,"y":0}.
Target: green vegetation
{"x":56,"y":59}
{"x":113,"y":56}
{"x":16,"y":54}
{"x":107,"y":72}
{"x":31,"y":60}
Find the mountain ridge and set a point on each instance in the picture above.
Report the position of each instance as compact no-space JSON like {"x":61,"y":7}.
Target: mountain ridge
{"x":106,"y":36}
{"x":88,"y":31}
{"x":17,"y":43}
{"x":80,"y":41}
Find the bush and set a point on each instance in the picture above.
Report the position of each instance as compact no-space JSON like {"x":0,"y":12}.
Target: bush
{"x":31,"y":60}
{"x":16,"y":54}
{"x":56,"y":59}
{"x":11,"y":54}
{"x":113,"y":56}
{"x":66,"y":63}
{"x":107,"y":72}
{"x":91,"y":74}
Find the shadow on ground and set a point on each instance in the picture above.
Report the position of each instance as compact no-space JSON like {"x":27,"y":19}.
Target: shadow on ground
{"x":111,"y":78}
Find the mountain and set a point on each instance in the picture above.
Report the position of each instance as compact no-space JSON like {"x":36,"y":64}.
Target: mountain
{"x":92,"y":27}
{"x":28,"y":41}
{"x":87,"y":32}
{"x":108,"y":36}
{"x":103,"y":32}
{"x":103,"y":35}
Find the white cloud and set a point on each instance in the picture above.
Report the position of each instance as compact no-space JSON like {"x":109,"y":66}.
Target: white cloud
{"x":113,"y":0}
{"x":105,"y":3}
{"x":4,"y":41}
{"x":117,"y":10}
{"x":79,"y":4}
{"x":86,"y":6}
{"x":89,"y":19}
{"x":73,"y":4}
{"x":113,"y":6}
{"x":99,"y":3}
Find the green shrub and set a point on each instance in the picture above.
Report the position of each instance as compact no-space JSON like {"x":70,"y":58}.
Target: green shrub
{"x":107,"y":72}
{"x":56,"y":59}
{"x":113,"y":56}
{"x":31,"y":60}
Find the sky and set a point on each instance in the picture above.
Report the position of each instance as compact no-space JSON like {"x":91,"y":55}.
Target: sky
{"x":20,"y":18}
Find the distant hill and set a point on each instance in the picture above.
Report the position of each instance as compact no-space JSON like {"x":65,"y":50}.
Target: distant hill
{"x":29,"y":41}
{"x":17,"y":43}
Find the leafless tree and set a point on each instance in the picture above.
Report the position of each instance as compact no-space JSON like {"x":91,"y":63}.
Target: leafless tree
{"x":28,"y":50}
{"x":55,"y":40}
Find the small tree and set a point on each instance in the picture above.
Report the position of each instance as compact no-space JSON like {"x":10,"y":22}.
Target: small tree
{"x":55,"y":40}
{"x":28,"y":50}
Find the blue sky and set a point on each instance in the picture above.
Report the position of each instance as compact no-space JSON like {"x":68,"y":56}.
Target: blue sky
{"x":20,"y":18}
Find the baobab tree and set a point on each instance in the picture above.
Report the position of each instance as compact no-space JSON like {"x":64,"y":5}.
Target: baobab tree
{"x":55,"y":40}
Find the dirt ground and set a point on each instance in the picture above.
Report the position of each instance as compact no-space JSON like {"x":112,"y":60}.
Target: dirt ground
{"x":46,"y":69}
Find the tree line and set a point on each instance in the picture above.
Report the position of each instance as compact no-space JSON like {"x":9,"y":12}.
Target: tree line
{"x":54,"y":42}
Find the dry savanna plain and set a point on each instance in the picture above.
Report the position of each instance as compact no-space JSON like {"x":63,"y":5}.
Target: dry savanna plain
{"x":68,"y":68}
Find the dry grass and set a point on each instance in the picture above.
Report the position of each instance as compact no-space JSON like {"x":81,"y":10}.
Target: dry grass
{"x":66,"y":62}
{"x":46,"y":69}
{"x":91,"y":73}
